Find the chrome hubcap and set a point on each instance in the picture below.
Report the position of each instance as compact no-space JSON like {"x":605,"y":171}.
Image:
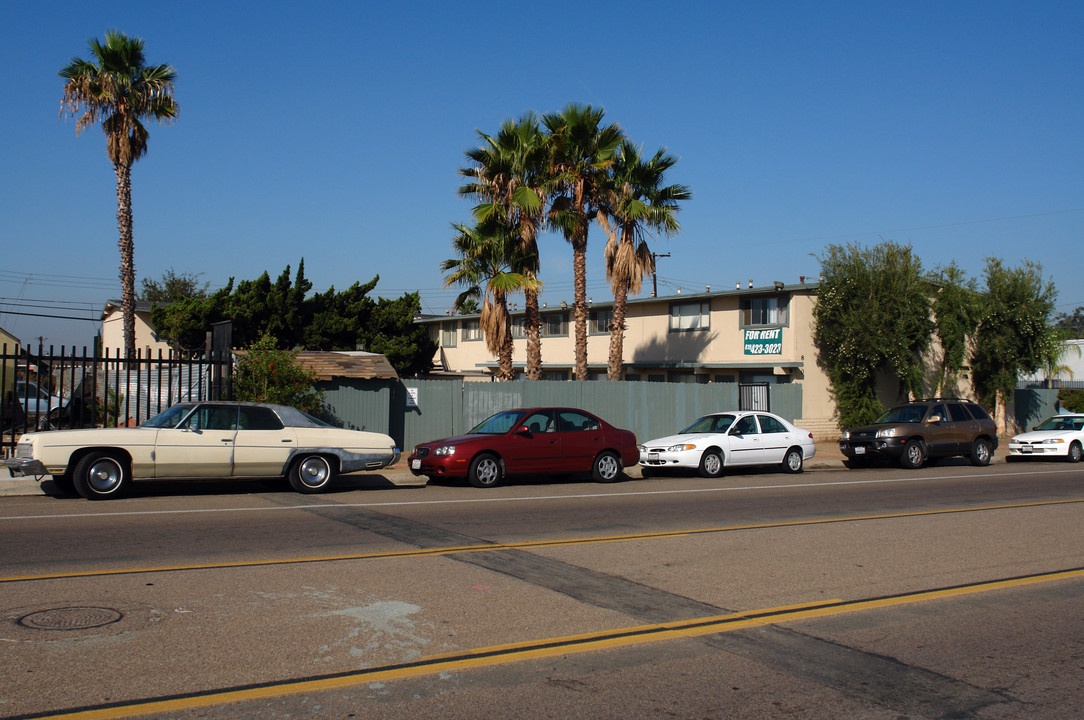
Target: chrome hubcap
{"x":607,"y":467}
{"x":314,"y":472}
{"x":105,"y":475}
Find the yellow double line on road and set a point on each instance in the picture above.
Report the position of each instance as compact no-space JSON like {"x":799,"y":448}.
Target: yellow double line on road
{"x":428,"y":552}
{"x":518,"y":652}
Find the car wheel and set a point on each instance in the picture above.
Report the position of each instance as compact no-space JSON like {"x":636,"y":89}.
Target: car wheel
{"x":1075,"y":452}
{"x":100,"y":475}
{"x":913,"y":455}
{"x":607,"y":467}
{"x":711,"y":464}
{"x":792,"y":461}
{"x":980,"y":452}
{"x":485,"y":471}
{"x":311,"y":474}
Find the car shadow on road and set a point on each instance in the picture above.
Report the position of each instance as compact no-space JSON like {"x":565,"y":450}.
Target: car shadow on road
{"x":226,"y":486}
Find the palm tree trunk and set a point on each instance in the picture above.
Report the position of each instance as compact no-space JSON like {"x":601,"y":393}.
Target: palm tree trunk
{"x":127,"y":255}
{"x":532,"y":325}
{"x":617,"y":332}
{"x":579,"y":305}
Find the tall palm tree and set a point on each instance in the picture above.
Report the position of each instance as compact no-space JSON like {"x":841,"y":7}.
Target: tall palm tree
{"x":488,"y":256}
{"x":118,"y":89}
{"x":510,"y":178}
{"x":582,"y":150}
{"x":636,"y":200}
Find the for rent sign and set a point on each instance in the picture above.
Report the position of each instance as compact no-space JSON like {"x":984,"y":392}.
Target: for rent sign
{"x":764,"y":342}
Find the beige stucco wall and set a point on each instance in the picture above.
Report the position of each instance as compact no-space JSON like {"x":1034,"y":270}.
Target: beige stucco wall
{"x":113,"y":334}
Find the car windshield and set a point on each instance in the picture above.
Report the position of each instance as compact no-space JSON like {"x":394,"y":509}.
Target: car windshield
{"x":711,"y":424}
{"x":169,"y":419}
{"x":902,"y":414}
{"x":497,"y":424}
{"x":1063,"y":422}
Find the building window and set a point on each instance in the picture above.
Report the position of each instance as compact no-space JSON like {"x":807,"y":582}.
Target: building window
{"x":555,"y":325}
{"x":725,"y":379}
{"x":770,"y":310}
{"x":689,"y":316}
{"x":471,"y":330}
{"x":600,"y":322}
{"x":448,"y":334}
{"x":554,"y":375}
{"x":519,"y":330}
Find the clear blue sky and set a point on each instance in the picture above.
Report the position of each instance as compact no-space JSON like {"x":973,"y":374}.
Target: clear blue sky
{"x":333,"y":131}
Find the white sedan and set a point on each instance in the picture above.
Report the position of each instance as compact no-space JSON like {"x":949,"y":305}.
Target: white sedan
{"x":206,"y":439}
{"x":726,"y":439}
{"x":1061,"y":436}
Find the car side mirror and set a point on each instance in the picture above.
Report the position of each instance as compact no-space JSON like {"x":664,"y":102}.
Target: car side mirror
{"x":523,"y":430}
{"x":934,"y":419}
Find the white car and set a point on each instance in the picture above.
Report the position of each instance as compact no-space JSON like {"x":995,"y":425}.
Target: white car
{"x":1061,"y":436}
{"x":205,"y":439}
{"x":726,"y":439}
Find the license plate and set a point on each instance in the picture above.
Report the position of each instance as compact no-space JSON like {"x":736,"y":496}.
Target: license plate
{"x":653,"y":457}
{"x":1025,"y":450}
{"x":859,"y":450}
{"x":415,"y":464}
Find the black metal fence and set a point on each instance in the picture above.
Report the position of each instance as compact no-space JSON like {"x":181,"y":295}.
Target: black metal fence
{"x":47,"y":390}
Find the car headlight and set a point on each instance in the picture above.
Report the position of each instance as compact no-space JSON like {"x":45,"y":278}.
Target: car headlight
{"x":846,"y":434}
{"x":887,"y":432}
{"x":681,"y":448}
{"x":1050,"y":441}
{"x":445,"y":450}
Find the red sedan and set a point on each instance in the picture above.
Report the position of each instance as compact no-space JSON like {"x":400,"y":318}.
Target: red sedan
{"x":529,"y":441}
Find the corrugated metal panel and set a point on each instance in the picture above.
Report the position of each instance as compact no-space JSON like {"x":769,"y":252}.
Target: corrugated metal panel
{"x":451,"y":407}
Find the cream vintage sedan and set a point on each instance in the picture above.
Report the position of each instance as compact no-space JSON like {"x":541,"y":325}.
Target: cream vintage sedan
{"x":197,"y":440}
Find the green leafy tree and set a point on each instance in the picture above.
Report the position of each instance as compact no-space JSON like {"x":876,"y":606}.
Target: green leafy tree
{"x":282,"y":309}
{"x":956,"y":307}
{"x":117,"y":88}
{"x":173,"y":287}
{"x":511,"y":178}
{"x":1071,"y":399}
{"x":268,"y":374}
{"x":1071,"y":325}
{"x":1013,"y":335}
{"x":581,"y":153}
{"x":638,"y":202}
{"x":872,"y":316}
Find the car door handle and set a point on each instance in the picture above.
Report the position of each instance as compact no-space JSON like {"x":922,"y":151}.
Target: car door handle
{"x":287,"y":440}
{"x":227,"y":440}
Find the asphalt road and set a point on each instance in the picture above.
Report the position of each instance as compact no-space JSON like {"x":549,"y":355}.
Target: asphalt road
{"x":952,"y":591}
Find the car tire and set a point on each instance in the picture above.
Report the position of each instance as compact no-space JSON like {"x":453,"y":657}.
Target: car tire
{"x":607,"y":467}
{"x":485,"y":471}
{"x":793,"y":461}
{"x":101,"y":475}
{"x":711,"y":464}
{"x":311,"y":474}
{"x":980,"y":452}
{"x":914,"y":455}
{"x":1075,"y":452}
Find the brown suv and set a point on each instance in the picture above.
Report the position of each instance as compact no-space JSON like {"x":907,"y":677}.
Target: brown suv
{"x":923,"y":430}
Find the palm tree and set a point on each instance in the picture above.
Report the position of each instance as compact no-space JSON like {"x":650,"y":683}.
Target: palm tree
{"x":510,"y":178}
{"x":488,"y":256}
{"x":581,"y":152}
{"x":636,"y":202}
{"x":117,"y":88}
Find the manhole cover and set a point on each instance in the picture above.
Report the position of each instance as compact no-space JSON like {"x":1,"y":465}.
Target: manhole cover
{"x":70,"y":618}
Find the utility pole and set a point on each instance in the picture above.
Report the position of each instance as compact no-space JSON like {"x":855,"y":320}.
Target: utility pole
{"x":655,"y":274}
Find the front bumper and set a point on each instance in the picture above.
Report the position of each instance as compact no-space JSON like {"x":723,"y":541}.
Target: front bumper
{"x":663,"y":459}
{"x":450,"y":466}
{"x":25,"y":467}
{"x":889,"y":447}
